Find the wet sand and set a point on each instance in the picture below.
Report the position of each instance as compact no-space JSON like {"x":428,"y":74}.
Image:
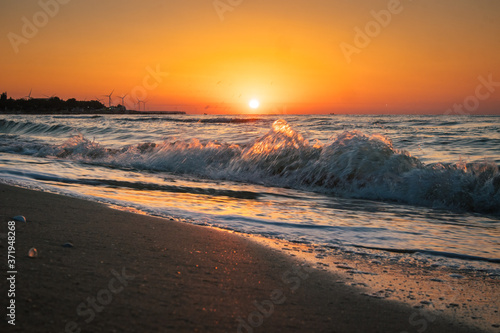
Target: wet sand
{"x":127,"y":272}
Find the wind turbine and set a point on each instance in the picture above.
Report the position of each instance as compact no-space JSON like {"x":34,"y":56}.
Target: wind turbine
{"x":109,"y":98}
{"x":29,"y":95}
{"x":122,"y":98}
{"x":144,"y":104}
{"x":99,"y":100}
{"x":139,"y":103}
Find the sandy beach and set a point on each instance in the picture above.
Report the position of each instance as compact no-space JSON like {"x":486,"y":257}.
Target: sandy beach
{"x":125,"y":272}
{"x":250,"y":166}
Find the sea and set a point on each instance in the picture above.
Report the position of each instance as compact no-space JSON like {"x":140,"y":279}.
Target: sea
{"x":386,"y":185}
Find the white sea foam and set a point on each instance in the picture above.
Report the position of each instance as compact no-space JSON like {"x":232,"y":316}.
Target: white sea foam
{"x":296,"y":179}
{"x":352,"y":164}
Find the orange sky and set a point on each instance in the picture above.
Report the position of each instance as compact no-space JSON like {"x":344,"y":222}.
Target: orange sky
{"x":291,"y":55}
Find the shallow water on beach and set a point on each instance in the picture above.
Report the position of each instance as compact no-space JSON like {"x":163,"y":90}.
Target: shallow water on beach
{"x":427,"y":186}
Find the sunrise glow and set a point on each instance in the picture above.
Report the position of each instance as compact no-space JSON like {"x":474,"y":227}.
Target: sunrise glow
{"x":361,"y":138}
{"x":254,"y":104}
{"x":337,"y":56}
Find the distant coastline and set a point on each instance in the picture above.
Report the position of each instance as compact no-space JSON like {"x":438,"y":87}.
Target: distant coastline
{"x":55,"y":105}
{"x":90,"y":112}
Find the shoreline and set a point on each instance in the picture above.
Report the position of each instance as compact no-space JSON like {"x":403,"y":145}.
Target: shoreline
{"x":130,"y":272}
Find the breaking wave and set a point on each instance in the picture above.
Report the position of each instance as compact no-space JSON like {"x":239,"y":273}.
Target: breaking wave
{"x":352,"y":164}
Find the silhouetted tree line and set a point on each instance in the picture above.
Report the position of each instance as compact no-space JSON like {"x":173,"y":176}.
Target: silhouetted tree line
{"x":55,"y":105}
{"x":48,"y":105}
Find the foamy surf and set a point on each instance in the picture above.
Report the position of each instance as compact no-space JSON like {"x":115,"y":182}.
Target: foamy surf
{"x":353,"y":183}
{"x":352,"y":165}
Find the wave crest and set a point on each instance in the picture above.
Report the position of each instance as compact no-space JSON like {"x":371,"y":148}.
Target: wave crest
{"x":352,"y":164}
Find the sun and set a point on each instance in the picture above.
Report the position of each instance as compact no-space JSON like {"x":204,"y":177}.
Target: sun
{"x":254,"y":104}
